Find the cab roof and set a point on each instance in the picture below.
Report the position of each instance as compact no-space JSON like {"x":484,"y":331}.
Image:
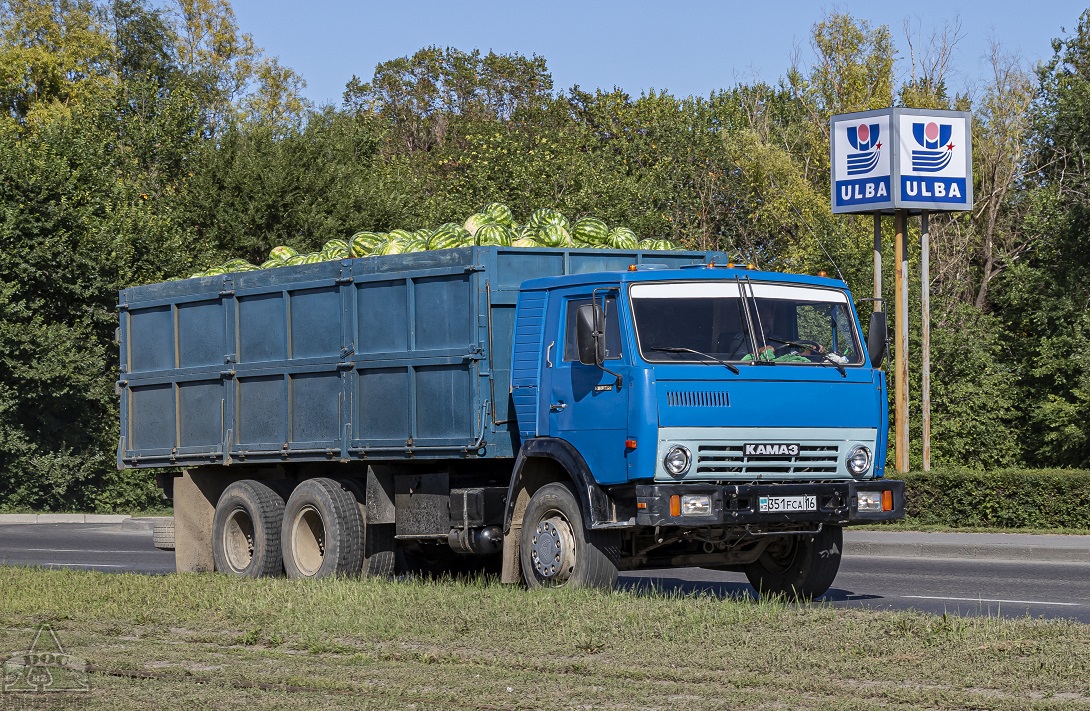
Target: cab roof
{"x":696,"y":272}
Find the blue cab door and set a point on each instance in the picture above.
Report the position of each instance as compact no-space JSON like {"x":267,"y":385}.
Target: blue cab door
{"x":582,"y":403}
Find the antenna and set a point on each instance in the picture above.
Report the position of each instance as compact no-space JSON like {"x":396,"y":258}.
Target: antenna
{"x":808,"y":227}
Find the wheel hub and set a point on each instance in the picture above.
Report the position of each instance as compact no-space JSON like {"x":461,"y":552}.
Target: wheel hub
{"x":553,"y":549}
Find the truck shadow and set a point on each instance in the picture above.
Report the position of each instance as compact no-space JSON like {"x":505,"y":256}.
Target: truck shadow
{"x":723,"y":590}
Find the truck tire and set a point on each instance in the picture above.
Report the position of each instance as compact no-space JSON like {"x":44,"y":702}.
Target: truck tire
{"x":379,"y":548}
{"x":800,"y":567}
{"x":246,"y":530}
{"x":162,"y":535}
{"x":322,"y":531}
{"x":556,"y":551}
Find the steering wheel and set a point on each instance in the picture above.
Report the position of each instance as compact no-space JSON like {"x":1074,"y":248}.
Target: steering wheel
{"x":815,"y":347}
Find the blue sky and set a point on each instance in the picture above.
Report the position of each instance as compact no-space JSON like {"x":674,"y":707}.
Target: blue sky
{"x":684,"y":47}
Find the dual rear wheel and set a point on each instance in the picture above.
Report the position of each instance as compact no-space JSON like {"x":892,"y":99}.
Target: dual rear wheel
{"x":314,"y":530}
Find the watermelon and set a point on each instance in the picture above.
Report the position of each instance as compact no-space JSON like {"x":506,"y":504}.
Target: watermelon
{"x":475,"y":221}
{"x":312,"y":258}
{"x":401,"y":235}
{"x":392,"y":245}
{"x":282,"y":253}
{"x":297,"y":259}
{"x":525,"y":242}
{"x":552,"y":235}
{"x":494,"y":235}
{"x":422,"y":234}
{"x":363,"y":242}
{"x":622,"y":238}
{"x":337,"y":247}
{"x":415,"y":244}
{"x":500,"y":214}
{"x":548,"y":216}
{"x":271,"y":264}
{"x":448,"y":236}
{"x":663,"y":244}
{"x":589,"y":231}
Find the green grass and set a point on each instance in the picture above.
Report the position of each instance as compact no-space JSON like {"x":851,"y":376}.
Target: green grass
{"x":212,"y":641}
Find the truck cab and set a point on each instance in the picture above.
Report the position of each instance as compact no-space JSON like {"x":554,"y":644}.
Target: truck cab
{"x":707,"y":416}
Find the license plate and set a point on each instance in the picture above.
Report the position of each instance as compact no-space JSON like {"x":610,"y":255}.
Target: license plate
{"x":787,"y":504}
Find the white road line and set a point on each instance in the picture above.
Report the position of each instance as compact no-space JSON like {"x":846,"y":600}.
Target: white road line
{"x":981,"y":599}
{"x":77,"y":550}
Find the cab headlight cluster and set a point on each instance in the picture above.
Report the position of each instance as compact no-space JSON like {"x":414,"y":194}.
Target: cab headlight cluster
{"x":859,"y":459}
{"x":677,"y":460}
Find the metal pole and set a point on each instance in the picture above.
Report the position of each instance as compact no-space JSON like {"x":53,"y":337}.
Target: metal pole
{"x":877,"y":261}
{"x":925,"y":328}
{"x":901,"y":342}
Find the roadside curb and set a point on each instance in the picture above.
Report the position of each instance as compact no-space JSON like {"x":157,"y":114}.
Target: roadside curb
{"x":143,"y":523}
{"x":8,"y":519}
{"x":972,"y":546}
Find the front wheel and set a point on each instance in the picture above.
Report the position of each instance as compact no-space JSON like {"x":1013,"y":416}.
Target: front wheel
{"x":801,"y":567}
{"x":554,"y":548}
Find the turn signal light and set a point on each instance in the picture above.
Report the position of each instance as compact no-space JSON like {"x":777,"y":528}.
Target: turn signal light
{"x":887,"y":500}
{"x":675,"y":505}
{"x":632,"y":267}
{"x":822,"y":273}
{"x":630,"y":444}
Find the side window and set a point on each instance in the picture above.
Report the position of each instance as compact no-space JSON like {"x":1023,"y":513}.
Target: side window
{"x":613,"y":330}
{"x":844,"y":341}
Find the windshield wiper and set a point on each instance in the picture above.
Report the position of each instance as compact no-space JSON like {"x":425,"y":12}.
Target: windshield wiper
{"x":807,"y":347}
{"x":678,"y":349}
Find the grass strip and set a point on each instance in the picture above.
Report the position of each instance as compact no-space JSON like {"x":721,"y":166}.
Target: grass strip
{"x":213,"y":641}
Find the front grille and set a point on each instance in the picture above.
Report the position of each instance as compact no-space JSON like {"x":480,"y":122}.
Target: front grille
{"x":714,"y":459}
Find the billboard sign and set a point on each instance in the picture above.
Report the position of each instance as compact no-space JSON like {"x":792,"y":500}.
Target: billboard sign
{"x":913,"y":159}
{"x":862,"y":147}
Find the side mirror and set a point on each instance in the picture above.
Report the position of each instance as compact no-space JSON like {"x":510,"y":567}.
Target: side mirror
{"x":590,"y":334}
{"x":877,"y":338}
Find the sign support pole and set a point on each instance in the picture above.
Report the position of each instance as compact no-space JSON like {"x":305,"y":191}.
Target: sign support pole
{"x":877,"y":261}
{"x":925,"y":345}
{"x":901,"y":342}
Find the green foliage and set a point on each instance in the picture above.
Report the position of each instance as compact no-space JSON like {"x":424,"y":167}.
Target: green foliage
{"x":1000,"y":498}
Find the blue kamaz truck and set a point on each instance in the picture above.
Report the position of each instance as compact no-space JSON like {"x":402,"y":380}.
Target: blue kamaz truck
{"x":555,"y":414}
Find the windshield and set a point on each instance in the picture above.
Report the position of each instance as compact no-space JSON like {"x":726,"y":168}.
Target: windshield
{"x":692,"y":321}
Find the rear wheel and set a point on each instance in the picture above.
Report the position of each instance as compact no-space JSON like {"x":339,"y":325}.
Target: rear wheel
{"x":379,"y":549}
{"x":800,"y":567}
{"x":322,"y":531}
{"x":555,"y":549}
{"x":246,"y":530}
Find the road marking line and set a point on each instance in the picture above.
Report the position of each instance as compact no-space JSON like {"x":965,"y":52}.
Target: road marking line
{"x":78,"y":550}
{"x":981,"y":599}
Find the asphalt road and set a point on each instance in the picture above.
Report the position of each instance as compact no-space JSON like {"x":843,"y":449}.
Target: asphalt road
{"x":957,"y":586}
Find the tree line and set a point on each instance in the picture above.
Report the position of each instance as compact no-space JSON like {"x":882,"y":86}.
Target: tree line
{"x":141,"y":142}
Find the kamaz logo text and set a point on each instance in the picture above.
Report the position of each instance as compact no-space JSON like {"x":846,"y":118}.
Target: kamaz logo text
{"x":864,"y":138}
{"x":771,"y":450}
{"x":936,"y":148}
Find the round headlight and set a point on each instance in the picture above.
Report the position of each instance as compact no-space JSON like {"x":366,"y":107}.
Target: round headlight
{"x":858,"y":459}
{"x":677,"y":460}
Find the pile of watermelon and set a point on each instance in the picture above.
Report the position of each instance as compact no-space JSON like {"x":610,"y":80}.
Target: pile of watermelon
{"x":493,"y":225}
